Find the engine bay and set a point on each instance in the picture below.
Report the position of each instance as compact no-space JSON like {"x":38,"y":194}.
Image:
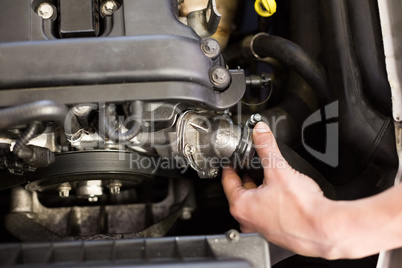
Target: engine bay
{"x":117,"y":116}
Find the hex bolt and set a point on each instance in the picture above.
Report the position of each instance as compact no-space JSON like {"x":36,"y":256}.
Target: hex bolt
{"x":213,"y":173}
{"x":186,"y":213}
{"x":64,"y":190}
{"x":45,"y":11}
{"x":220,"y":78}
{"x":109,"y":7}
{"x":210,"y":47}
{"x":114,"y":187}
{"x":115,"y":190}
{"x":254,"y":119}
{"x":233,"y":235}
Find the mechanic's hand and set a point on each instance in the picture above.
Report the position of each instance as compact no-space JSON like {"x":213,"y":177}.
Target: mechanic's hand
{"x":287,"y":208}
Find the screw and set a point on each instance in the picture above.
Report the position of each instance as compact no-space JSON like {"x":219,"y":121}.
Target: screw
{"x":45,"y":10}
{"x":186,"y":213}
{"x":109,"y":7}
{"x":115,"y":190}
{"x":64,"y":190}
{"x":220,"y":78}
{"x":213,"y":173}
{"x":254,"y":119}
{"x":210,"y":47}
{"x":114,"y":187}
{"x":233,"y":235}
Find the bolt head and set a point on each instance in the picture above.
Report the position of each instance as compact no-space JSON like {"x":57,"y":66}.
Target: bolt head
{"x":254,"y":119}
{"x":45,"y":10}
{"x":210,"y":47}
{"x":220,"y":78}
{"x":109,"y":7}
{"x":213,"y":173}
{"x":186,"y":214}
{"x":114,"y":186}
{"x":64,"y":193}
{"x":115,"y":190}
{"x":64,"y":190}
{"x":233,"y":235}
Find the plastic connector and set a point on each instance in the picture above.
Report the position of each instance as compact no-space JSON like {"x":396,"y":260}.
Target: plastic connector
{"x":265,"y":8}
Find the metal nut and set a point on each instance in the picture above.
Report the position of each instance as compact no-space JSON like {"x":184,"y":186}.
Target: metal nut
{"x":210,"y":47}
{"x":45,"y":11}
{"x":186,"y":213}
{"x":220,"y":78}
{"x":64,"y":190}
{"x":114,"y":187}
{"x":254,"y":119}
{"x":109,"y":7}
{"x":233,"y":235}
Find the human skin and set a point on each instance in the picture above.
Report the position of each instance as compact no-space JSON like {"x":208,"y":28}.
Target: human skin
{"x":290,"y":210}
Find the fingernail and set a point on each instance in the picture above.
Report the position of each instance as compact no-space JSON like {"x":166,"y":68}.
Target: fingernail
{"x":261,"y":127}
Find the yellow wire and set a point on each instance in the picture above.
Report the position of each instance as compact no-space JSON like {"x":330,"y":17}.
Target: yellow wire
{"x":265,"y":8}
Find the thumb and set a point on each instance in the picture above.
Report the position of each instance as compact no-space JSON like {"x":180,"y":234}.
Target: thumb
{"x":266,"y":147}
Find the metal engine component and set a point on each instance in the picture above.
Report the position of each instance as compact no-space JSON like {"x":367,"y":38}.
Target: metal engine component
{"x":112,"y":110}
{"x":209,"y":141}
{"x":29,"y":220}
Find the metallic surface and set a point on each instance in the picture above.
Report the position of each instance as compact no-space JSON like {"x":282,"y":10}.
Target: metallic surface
{"x":211,"y":48}
{"x":220,"y":78}
{"x":205,"y":22}
{"x":108,"y":7}
{"x":45,"y":11}
{"x":186,"y":92}
{"x":128,"y":167}
{"x":204,"y":139}
{"x":29,"y":220}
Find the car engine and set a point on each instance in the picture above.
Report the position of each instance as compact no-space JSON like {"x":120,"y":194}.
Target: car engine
{"x":116,"y":117}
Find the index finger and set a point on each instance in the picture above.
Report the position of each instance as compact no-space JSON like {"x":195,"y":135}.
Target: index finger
{"x":232,"y":184}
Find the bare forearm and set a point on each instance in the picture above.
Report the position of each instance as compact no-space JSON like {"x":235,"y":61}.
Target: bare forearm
{"x":355,"y":229}
{"x":290,"y":210}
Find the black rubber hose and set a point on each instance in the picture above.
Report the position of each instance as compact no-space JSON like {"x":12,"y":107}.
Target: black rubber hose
{"x":28,"y":135}
{"x":116,"y":136}
{"x":44,"y":110}
{"x":292,"y":55}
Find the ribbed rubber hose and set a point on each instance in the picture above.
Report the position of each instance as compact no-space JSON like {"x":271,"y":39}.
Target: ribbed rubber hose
{"x":115,"y":135}
{"x":292,"y":55}
{"x":44,"y":110}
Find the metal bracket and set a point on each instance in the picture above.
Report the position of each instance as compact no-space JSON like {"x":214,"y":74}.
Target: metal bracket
{"x":205,"y":22}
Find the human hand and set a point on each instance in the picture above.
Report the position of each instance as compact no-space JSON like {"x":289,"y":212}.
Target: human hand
{"x":287,"y":208}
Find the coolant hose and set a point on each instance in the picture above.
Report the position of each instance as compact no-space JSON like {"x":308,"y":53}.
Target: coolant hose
{"x":44,"y":110}
{"x":264,"y":45}
{"x":115,"y":135}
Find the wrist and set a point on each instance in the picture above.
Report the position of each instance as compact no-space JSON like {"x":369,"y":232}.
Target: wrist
{"x":326,"y":228}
